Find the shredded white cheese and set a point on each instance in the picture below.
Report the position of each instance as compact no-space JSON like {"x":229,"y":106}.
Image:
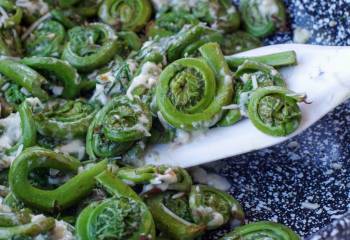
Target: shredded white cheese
{"x":200,"y":175}
{"x":301,"y":35}
{"x":12,"y":131}
{"x":61,"y":231}
{"x":148,"y":77}
{"x":162,"y":181}
{"x":99,"y":94}
{"x":75,"y":148}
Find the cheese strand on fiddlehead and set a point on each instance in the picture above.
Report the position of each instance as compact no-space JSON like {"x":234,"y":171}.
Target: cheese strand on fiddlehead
{"x":130,"y":15}
{"x":192,"y":92}
{"x":261,"y":231}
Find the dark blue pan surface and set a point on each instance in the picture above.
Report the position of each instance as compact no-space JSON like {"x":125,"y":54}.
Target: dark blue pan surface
{"x":305,"y":182}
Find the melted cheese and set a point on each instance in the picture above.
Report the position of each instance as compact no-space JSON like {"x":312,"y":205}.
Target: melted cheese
{"x":301,"y":35}
{"x":12,"y":131}
{"x":267,"y":8}
{"x":74,"y":148}
{"x":147,"y":78}
{"x":36,"y":6}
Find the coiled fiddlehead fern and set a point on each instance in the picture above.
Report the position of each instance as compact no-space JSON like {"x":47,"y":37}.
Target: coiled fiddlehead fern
{"x":239,"y":42}
{"x":59,"y":198}
{"x":250,"y":76}
{"x":275,"y":111}
{"x":91,"y":46}
{"x":116,"y":126}
{"x":130,"y":15}
{"x":192,"y":92}
{"x":172,"y":215}
{"x":220,"y":14}
{"x":169,"y":23}
{"x":57,"y":69}
{"x":65,"y":119}
{"x":261,"y":231}
{"x":157,"y":178}
{"x":123,"y":216}
{"x":24,"y":76}
{"x":46,"y":40}
{"x":213,"y":207}
{"x":262,"y":17}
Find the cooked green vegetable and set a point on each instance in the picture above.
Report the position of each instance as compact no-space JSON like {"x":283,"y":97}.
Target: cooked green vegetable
{"x":261,"y":231}
{"x":86,"y":87}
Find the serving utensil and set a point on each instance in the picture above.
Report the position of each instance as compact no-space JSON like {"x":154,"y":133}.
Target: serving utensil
{"x":323,"y":73}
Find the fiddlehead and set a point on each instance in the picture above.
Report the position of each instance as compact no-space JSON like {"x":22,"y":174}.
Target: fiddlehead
{"x":91,"y":46}
{"x":262,"y":17}
{"x":172,"y":215}
{"x":250,"y":76}
{"x":23,"y":76}
{"x":239,"y":42}
{"x":170,"y":23}
{"x":58,"y":198}
{"x":220,"y":14}
{"x":183,"y":44}
{"x":56,"y":69}
{"x":192,"y":92}
{"x":157,"y":178}
{"x":130,"y":15}
{"x":64,"y":119}
{"x":46,"y":40}
{"x":261,"y":231}
{"x":116,"y":126}
{"x":123,"y":216}
{"x":213,"y":207}
{"x":275,"y":110}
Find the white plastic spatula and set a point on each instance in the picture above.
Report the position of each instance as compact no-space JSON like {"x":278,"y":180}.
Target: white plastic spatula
{"x":323,"y":73}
